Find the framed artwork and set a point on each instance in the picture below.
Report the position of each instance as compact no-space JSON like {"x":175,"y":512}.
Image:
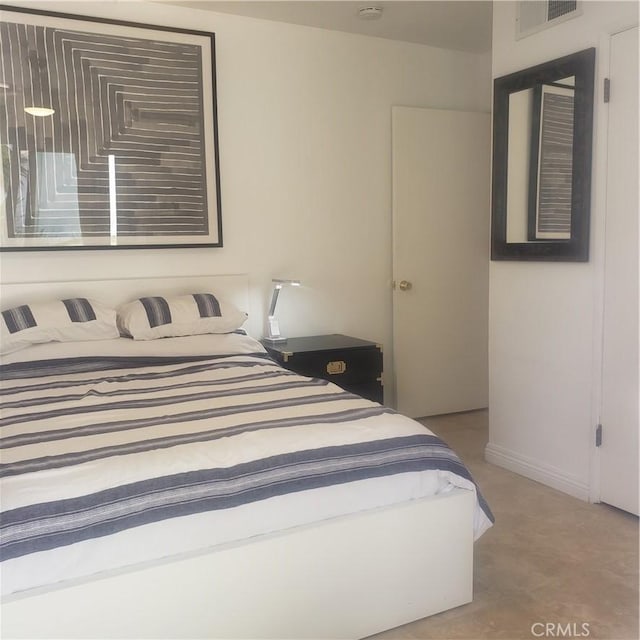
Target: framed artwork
{"x":108,"y":134}
{"x":551,"y":166}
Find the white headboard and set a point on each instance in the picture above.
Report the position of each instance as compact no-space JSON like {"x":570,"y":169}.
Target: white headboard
{"x":234,"y":287}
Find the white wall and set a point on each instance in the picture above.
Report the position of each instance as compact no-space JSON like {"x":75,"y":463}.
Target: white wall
{"x":305,"y":147}
{"x":518,"y":158}
{"x":545,"y":318}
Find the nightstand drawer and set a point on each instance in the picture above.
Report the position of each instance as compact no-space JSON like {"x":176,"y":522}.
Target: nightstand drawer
{"x":340,"y":366}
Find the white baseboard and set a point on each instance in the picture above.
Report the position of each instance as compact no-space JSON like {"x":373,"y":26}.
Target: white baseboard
{"x":530,"y":468}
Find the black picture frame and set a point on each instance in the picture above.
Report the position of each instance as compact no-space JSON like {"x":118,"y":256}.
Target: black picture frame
{"x":129,"y":158}
{"x":580,"y":66}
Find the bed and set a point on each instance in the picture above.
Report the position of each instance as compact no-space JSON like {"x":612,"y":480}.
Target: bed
{"x":188,"y":486}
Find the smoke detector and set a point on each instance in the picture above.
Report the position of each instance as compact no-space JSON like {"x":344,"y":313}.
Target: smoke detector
{"x":370,"y":13}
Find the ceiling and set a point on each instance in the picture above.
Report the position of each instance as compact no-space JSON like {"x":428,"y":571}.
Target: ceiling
{"x":464,"y":25}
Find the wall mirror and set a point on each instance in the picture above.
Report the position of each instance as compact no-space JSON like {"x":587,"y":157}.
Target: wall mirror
{"x":542,"y":135}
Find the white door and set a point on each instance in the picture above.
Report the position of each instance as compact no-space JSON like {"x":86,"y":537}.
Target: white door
{"x":441,"y":164}
{"x":619,"y":412}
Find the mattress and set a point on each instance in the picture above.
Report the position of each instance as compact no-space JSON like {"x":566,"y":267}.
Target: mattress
{"x":118,"y":452}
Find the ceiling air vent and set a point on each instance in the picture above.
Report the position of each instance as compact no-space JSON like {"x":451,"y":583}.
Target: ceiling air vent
{"x":536,"y":15}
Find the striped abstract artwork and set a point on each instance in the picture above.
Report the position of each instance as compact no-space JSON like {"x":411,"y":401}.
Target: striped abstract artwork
{"x":556,"y":165}
{"x":123,"y":154}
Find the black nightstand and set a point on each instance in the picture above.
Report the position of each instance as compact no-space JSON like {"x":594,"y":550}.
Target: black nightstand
{"x":353,"y":364}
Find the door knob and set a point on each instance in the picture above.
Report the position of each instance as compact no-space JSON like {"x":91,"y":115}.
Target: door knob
{"x":405,"y":285}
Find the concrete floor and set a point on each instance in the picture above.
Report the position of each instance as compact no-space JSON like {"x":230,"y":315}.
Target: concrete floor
{"x":549,"y":559}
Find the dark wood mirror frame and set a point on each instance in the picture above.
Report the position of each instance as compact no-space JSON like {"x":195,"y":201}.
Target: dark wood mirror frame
{"x":575,"y":249}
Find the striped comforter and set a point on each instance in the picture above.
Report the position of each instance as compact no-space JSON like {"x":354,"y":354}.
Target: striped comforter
{"x":107,"y":461}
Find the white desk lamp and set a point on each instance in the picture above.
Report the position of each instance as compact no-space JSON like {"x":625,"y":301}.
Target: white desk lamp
{"x":273,"y":328}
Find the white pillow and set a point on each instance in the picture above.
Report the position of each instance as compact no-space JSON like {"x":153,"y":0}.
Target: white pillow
{"x":187,"y":315}
{"x":69,"y":320}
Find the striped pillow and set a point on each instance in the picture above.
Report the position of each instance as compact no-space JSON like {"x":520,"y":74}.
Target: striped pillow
{"x":186,"y":315}
{"x":70,"y":320}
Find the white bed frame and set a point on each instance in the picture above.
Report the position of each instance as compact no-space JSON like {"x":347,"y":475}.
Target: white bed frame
{"x":348,"y":577}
